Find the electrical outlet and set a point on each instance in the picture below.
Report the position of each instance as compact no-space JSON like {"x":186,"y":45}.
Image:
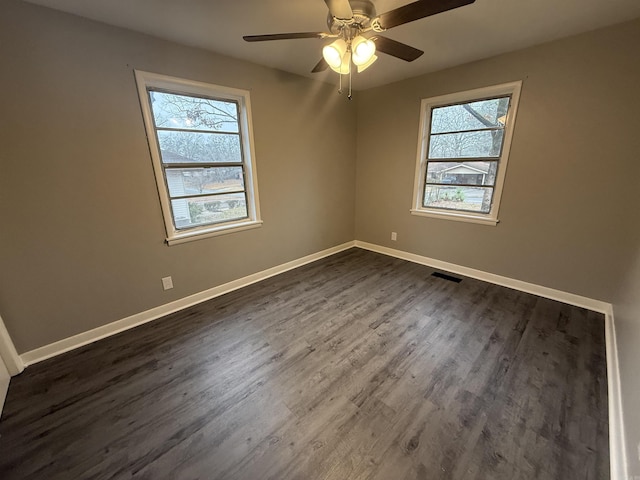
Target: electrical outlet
{"x":638,"y":451}
{"x":394,"y":236}
{"x":167,"y":283}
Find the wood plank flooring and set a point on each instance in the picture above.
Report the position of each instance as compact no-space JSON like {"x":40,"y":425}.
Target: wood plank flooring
{"x":359,"y":366}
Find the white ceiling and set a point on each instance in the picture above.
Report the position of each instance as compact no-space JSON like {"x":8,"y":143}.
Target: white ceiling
{"x":479,"y":30}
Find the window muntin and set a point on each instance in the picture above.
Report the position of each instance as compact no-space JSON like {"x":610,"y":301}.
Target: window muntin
{"x":463,"y":152}
{"x":200,"y":139}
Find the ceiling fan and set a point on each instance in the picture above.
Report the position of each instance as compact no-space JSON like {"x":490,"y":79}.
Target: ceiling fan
{"x":356,"y":28}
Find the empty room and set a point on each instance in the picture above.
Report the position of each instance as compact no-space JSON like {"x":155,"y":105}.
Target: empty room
{"x":340,"y":239}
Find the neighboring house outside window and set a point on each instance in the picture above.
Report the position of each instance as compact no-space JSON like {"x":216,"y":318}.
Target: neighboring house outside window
{"x":201,"y":145}
{"x":462,"y":153}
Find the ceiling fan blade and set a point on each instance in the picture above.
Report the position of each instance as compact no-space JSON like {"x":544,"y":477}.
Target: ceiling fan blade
{"x":283,"y":36}
{"x":321,"y":66}
{"x":396,"y":49}
{"x":417,"y":10}
{"x":340,"y":9}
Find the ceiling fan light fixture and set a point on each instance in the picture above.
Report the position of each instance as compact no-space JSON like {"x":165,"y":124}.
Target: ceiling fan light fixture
{"x":334,"y":53}
{"x":363,"y":50}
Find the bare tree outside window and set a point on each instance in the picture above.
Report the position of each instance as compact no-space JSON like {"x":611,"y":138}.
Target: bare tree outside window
{"x":200,"y":147}
{"x":471,"y":131}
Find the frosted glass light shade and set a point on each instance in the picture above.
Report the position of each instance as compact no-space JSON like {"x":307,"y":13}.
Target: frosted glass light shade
{"x":334,"y":53}
{"x":345,"y":66}
{"x":363,"y":50}
{"x":364,"y":66}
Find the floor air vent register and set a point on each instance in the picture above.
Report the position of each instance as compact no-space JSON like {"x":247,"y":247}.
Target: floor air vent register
{"x":444,"y":276}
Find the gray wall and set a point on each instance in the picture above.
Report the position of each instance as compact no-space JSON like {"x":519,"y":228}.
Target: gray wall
{"x":569,"y":213}
{"x":569,"y":188}
{"x":82,"y":238}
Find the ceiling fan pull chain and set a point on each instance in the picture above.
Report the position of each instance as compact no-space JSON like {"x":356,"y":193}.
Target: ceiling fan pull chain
{"x":340,"y":71}
{"x":349,"y":96}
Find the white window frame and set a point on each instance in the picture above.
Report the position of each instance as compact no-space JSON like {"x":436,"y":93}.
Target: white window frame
{"x":427,"y":104}
{"x":147,"y":80}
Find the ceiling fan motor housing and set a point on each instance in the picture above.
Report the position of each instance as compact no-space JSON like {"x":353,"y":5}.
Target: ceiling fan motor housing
{"x":363,"y":12}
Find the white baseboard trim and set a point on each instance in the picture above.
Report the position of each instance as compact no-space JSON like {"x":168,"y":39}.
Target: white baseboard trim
{"x":546,"y":292}
{"x":90,"y":336}
{"x":617,"y":443}
{"x":8,"y":352}
{"x":617,"y":452}
{"x":84,"y":338}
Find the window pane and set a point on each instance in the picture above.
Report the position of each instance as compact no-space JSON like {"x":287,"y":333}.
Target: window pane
{"x":194,"y":113}
{"x":481,"y":144}
{"x":194,"y":212}
{"x":469,"y":173}
{"x":470,"y":116}
{"x":475,"y":199}
{"x":192,"y":147}
{"x":194,"y":181}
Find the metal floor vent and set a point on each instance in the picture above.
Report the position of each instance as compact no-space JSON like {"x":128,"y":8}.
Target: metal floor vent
{"x":446,"y":277}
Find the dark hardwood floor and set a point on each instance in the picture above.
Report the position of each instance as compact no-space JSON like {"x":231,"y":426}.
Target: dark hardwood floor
{"x":358,"y":366}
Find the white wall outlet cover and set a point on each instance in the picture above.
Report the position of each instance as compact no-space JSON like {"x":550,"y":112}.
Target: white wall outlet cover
{"x":394,"y":236}
{"x":167,"y":283}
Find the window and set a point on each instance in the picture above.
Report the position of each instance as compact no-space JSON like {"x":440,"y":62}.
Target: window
{"x":462,"y":153}
{"x":202,"y":149}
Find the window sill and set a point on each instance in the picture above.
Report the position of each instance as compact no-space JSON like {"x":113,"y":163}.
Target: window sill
{"x":213,"y":231}
{"x":458,"y":217}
